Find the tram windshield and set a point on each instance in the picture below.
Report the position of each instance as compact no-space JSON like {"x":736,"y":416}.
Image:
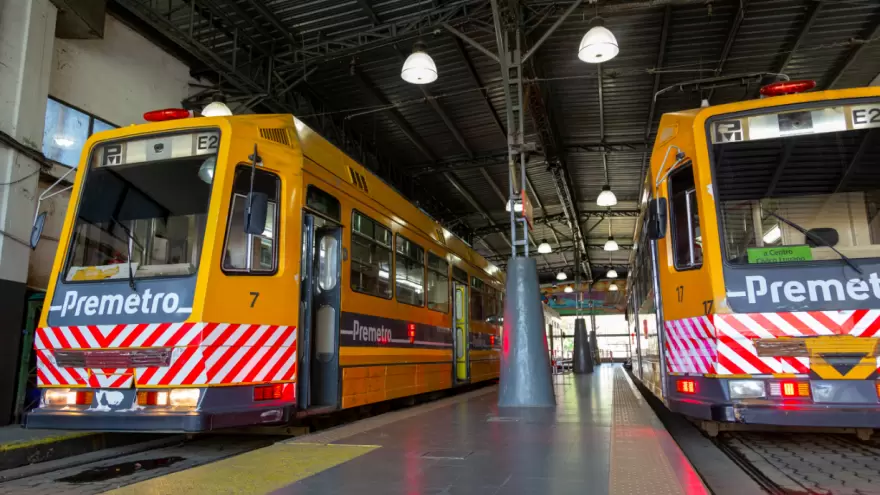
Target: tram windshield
{"x":142,"y":213}
{"x":800,"y":186}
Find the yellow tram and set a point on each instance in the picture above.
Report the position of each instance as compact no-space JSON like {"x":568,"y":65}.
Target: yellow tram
{"x":754,"y":293}
{"x":223,"y":271}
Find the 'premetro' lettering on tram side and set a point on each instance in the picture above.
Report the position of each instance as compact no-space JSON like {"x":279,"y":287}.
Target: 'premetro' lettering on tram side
{"x":370,"y":334}
{"x":117,"y":304}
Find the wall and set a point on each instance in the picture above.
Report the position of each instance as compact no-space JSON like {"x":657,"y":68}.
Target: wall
{"x":117,"y":79}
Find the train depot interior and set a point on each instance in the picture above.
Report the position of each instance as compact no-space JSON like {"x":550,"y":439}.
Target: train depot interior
{"x":440,"y":246}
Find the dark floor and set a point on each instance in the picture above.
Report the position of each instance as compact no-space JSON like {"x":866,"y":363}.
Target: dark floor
{"x":601,"y":438}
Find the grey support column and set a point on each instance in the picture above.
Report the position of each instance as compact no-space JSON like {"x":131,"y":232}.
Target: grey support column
{"x":27,"y":36}
{"x":583,"y":357}
{"x":525,"y":362}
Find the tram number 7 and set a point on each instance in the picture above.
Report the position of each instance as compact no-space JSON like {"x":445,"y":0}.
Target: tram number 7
{"x":680,"y":292}
{"x":254,"y":300}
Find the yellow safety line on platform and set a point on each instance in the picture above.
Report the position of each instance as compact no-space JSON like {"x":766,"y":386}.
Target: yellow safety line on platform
{"x":34,"y":442}
{"x":261,"y":471}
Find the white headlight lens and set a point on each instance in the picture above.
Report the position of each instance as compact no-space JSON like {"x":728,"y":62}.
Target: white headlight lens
{"x":746,"y":389}
{"x":184,"y":397}
{"x":59,"y":397}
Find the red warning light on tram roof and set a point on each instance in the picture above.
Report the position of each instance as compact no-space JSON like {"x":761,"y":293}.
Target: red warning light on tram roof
{"x":166,"y":114}
{"x":787,"y":87}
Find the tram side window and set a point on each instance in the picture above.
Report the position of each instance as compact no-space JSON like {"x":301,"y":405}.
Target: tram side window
{"x":370,"y":257}
{"x":438,"y":283}
{"x":263,"y":250}
{"x":459,"y":275}
{"x":477,"y":289}
{"x":409,"y":270}
{"x":687,"y":241}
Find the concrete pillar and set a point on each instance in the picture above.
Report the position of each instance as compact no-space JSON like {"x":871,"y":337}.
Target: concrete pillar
{"x":27,"y":36}
{"x":582,"y":361}
{"x":525,"y":362}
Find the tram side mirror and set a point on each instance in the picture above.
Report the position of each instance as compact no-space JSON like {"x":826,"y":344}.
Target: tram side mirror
{"x":37,"y":230}
{"x":256,"y":212}
{"x":657,"y":216}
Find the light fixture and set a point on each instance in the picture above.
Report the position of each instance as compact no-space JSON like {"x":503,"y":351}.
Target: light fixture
{"x":206,"y":171}
{"x":606,"y":197}
{"x":611,"y":244}
{"x":544,"y":247}
{"x":217,"y":107}
{"x":612,"y":273}
{"x":561,"y":276}
{"x":63,"y":141}
{"x":772,"y":235}
{"x":613,"y":288}
{"x":568,"y":289}
{"x":517,"y":206}
{"x":419,"y":67}
{"x":599,"y":44}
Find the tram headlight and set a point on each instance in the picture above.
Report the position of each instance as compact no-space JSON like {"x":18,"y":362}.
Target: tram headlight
{"x":184,"y":397}
{"x":747,"y":389}
{"x":59,"y":397}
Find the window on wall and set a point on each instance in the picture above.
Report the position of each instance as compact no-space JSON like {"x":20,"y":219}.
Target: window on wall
{"x":438,"y":283}
{"x":409,"y":272}
{"x":65,"y":132}
{"x":252,"y":253}
{"x":477,"y":289}
{"x":370,"y":257}
{"x":687,"y":240}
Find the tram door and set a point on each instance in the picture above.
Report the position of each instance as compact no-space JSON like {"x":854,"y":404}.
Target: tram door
{"x":318,"y":367}
{"x":460,"y":333}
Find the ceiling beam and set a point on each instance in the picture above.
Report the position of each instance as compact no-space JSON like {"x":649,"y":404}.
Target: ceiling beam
{"x":558,"y":217}
{"x":661,"y":56}
{"x":856,"y":48}
{"x":731,"y":39}
{"x":475,"y":80}
{"x":394,"y":114}
{"x":368,"y":10}
{"x":269,"y":16}
{"x":435,"y":105}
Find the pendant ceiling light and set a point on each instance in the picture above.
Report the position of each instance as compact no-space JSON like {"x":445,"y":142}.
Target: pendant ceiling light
{"x":544,"y":247}
{"x":217,"y":107}
{"x":613,"y":288}
{"x":611,"y":244}
{"x":568,"y":289}
{"x":561,"y":276}
{"x":612,"y":273}
{"x":599,"y":44}
{"x":419,"y":67}
{"x":606,"y":197}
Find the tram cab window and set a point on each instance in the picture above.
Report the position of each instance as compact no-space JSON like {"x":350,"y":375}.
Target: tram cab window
{"x":409,"y":270}
{"x":687,"y":240}
{"x":477,"y":289}
{"x":438,"y":283}
{"x":262,"y":248}
{"x":370,"y":257}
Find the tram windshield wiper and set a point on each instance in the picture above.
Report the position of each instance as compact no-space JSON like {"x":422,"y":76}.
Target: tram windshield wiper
{"x":817,"y":239}
{"x":131,"y":240}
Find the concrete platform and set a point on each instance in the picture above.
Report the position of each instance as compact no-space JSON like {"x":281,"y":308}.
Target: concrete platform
{"x":19,"y":446}
{"x":601,"y":438}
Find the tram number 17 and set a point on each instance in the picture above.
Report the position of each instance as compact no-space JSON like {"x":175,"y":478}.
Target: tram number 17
{"x":680,"y":292}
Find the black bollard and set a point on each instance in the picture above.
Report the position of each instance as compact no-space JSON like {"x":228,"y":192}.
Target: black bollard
{"x":583,"y":357}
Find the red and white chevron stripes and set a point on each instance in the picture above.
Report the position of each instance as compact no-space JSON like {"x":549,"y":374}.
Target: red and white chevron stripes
{"x":201,"y":354}
{"x":724,"y":344}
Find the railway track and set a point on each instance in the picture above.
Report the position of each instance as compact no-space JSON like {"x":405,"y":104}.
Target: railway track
{"x":806,"y":463}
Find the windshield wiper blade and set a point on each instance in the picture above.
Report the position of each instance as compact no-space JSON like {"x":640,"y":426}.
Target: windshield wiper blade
{"x":131,"y":240}
{"x":818,"y":240}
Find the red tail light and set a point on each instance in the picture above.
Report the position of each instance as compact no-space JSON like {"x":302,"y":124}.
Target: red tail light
{"x":268,"y":392}
{"x":84,"y":398}
{"x":166,"y":114}
{"x":159,"y":398}
{"x":492,"y":340}
{"x":787,"y":87}
{"x":790,"y":389}
{"x":412,"y":333}
{"x":686,"y":386}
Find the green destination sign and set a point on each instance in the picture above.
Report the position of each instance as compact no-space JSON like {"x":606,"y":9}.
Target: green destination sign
{"x":780,"y":254}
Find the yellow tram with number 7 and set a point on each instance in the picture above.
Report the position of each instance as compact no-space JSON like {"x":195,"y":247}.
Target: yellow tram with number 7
{"x":224,"y":271}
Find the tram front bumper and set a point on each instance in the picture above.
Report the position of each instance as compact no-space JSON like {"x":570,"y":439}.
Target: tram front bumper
{"x":782,"y":414}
